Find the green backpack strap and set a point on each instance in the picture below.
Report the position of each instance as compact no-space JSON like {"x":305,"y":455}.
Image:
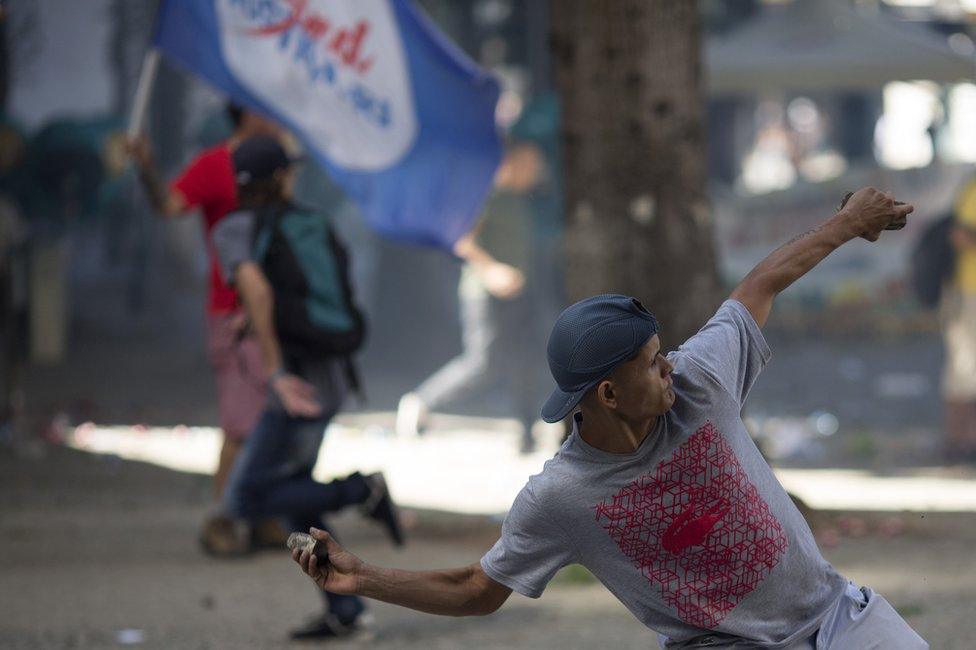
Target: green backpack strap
{"x":266,"y":220}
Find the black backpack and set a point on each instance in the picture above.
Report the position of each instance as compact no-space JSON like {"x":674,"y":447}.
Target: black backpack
{"x":308,"y":268}
{"x":933,"y":261}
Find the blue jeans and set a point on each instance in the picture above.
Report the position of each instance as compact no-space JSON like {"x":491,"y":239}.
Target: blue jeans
{"x":272,"y":477}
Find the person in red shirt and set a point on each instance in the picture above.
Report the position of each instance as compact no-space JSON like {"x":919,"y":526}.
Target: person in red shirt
{"x":208,"y":184}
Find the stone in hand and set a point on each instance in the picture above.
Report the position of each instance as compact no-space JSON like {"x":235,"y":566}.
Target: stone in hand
{"x":897,"y":224}
{"x":305,"y":542}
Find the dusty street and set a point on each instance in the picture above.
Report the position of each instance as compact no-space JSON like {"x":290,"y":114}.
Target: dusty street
{"x":96,"y":552}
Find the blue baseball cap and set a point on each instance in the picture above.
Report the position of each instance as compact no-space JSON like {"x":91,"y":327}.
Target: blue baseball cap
{"x":257,"y":158}
{"x":589,"y":340}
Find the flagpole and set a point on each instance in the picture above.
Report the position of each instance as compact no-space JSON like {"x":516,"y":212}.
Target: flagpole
{"x":140,"y":105}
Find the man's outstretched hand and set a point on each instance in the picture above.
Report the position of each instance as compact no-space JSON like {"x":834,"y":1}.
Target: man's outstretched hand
{"x":341,"y":575}
{"x":296,"y":395}
{"x":502,"y":281}
{"x":869,"y":212}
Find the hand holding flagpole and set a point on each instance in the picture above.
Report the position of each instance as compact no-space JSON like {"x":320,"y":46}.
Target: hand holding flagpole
{"x":138,"y":144}
{"x":140,"y":105}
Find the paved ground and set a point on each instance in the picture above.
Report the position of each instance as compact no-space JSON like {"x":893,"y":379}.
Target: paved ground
{"x":95,"y":551}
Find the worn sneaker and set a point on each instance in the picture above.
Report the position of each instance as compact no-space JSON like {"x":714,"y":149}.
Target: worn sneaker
{"x":224,"y":537}
{"x":268,"y":534}
{"x":411,"y":417}
{"x":379,"y":506}
{"x":324,"y":626}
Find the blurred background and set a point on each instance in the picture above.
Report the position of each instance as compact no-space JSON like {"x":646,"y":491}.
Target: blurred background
{"x":108,"y":416}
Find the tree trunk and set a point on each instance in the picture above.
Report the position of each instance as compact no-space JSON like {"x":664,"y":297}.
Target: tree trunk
{"x":637,"y":218}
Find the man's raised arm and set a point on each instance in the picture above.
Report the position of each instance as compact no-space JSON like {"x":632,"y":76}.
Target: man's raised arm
{"x":866,"y":214}
{"x":164,"y":200}
{"x":465,"y":591}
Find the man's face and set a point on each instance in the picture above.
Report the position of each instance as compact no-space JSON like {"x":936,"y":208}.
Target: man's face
{"x":287,"y":178}
{"x":643,"y":385}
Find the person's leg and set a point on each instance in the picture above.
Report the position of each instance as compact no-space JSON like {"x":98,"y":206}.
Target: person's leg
{"x":345,"y":609}
{"x":521,"y":352}
{"x":278,"y":496}
{"x":223,"y":532}
{"x":461,"y":374}
{"x":956,"y":414}
{"x":242,"y":395}
{"x":960,"y":430}
{"x":258,"y":454}
{"x":273,"y":476}
{"x":969,"y":446}
{"x":470,"y":369}
{"x":241,"y":389}
{"x":229,"y":449}
{"x":240,"y":398}
{"x":305,"y":500}
{"x":958,"y":315}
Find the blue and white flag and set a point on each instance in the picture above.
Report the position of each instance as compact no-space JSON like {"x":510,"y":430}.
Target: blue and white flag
{"x":400,"y":118}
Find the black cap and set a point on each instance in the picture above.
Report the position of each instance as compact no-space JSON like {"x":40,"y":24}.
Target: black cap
{"x":589,"y":340}
{"x":257,"y":158}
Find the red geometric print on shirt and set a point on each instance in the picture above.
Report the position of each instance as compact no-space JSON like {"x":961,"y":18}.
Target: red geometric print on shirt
{"x":697,"y":529}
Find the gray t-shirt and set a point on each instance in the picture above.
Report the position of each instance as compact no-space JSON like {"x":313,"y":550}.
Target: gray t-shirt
{"x":692,"y":531}
{"x":233,"y":239}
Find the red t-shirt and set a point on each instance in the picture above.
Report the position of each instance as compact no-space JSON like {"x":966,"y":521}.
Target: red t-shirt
{"x":208,"y":183}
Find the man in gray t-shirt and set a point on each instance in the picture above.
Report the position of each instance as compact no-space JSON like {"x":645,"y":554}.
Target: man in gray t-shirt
{"x":659,"y":491}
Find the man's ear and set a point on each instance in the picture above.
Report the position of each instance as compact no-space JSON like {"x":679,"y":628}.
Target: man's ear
{"x":605,"y":394}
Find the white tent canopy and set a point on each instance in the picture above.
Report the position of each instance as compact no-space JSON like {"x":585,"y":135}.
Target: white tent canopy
{"x":828,"y":44}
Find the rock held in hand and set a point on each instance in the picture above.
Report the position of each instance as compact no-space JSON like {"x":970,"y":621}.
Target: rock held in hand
{"x":897,"y":224}
{"x":305,"y":542}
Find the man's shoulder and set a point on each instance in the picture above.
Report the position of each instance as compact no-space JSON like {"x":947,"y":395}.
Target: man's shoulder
{"x":548,"y":488}
{"x":239,"y":216}
{"x":687,"y":373}
{"x":695,"y":385}
{"x":235,"y":228}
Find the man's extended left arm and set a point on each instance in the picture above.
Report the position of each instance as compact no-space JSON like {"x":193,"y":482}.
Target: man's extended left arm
{"x":296,"y":394}
{"x":867,"y":213}
{"x":461,"y":591}
{"x":165,"y":201}
{"x":232,"y":241}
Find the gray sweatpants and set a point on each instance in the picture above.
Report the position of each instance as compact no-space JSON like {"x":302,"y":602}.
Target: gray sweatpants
{"x":859,"y":620}
{"x":501,"y":344}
